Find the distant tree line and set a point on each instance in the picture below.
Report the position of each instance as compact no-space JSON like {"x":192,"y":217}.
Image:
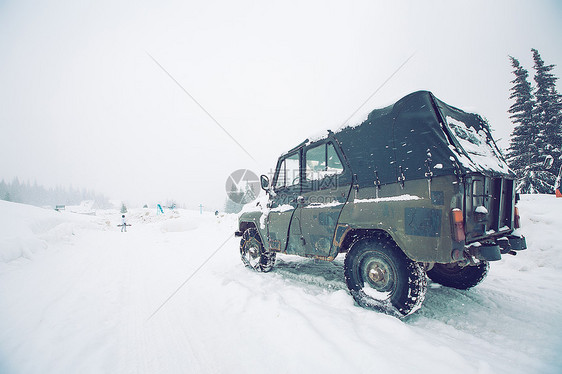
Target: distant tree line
{"x":34,"y":194}
{"x":537,"y":117}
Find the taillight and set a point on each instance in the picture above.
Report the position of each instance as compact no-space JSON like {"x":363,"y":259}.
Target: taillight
{"x":457,"y":222}
{"x":516,"y":219}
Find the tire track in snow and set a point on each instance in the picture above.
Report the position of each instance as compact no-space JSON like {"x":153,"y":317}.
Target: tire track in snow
{"x":173,"y":337}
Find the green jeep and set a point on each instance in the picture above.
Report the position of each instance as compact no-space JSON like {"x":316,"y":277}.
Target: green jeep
{"x":417,"y":188}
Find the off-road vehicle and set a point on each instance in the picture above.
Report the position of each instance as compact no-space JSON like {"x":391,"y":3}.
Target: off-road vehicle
{"x":418,"y":188}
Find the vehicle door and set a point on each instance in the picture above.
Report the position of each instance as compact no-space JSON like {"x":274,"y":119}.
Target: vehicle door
{"x":325,"y":190}
{"x":286,"y":188}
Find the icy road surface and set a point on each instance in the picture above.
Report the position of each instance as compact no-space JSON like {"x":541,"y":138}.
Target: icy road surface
{"x":77,"y":295}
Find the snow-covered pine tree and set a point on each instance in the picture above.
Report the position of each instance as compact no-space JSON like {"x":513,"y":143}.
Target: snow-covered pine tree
{"x":4,"y":190}
{"x":233,"y":200}
{"x":522,"y":151}
{"x":548,"y":114}
{"x":232,"y":207}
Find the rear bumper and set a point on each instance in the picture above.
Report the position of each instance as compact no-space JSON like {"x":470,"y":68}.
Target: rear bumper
{"x":492,"y":251}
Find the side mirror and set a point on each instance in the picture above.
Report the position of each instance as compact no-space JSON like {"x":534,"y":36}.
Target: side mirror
{"x":264,"y":182}
{"x":548,"y":161}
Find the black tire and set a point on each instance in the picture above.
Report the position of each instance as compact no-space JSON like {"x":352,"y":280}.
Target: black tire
{"x":380,"y":277}
{"x":462,"y":278}
{"x":253,"y":254}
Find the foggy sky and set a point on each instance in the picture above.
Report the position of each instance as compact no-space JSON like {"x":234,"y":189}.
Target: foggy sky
{"x":83,"y":103}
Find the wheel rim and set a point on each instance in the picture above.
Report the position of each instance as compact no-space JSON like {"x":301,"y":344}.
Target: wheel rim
{"x":251,"y":253}
{"x":379,"y":275}
{"x":253,"y":256}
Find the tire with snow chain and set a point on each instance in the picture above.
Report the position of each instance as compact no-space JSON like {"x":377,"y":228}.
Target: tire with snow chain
{"x":462,"y":278}
{"x":253,"y":253}
{"x":380,"y":277}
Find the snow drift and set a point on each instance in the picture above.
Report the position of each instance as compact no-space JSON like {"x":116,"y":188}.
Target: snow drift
{"x":25,"y":229}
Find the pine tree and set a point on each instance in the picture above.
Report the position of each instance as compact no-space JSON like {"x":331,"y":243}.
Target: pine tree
{"x":15,"y":191}
{"x":548,"y":115}
{"x":3,"y":190}
{"x":123,"y":208}
{"x":231,"y":206}
{"x":537,"y":134}
{"x":522,"y":153}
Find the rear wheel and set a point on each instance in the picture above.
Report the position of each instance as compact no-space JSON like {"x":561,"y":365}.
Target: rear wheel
{"x":462,"y":278}
{"x":253,"y":254}
{"x":380,"y":277}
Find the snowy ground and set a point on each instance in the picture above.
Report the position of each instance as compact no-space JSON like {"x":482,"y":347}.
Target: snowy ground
{"x":78,"y":296}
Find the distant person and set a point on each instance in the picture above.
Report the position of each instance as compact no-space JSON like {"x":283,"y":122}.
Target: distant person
{"x":123,"y":224}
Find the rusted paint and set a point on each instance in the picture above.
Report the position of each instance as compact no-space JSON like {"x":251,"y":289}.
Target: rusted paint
{"x":339,"y":235}
{"x":275,"y":245}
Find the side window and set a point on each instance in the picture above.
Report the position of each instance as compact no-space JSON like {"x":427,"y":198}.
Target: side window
{"x":322,"y":161}
{"x":288,"y":173}
{"x":333,"y":160}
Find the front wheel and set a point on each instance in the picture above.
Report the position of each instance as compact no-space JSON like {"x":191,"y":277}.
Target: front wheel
{"x":253,"y":254}
{"x":380,"y":276}
{"x":462,"y":278}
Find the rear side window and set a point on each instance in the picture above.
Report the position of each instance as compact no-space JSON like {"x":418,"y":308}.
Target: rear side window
{"x":322,"y":161}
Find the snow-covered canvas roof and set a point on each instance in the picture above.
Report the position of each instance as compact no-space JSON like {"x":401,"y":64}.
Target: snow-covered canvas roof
{"x":416,"y":135}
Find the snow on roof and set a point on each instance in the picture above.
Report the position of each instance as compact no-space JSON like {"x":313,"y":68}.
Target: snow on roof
{"x":400,"y":135}
{"x":482,"y":154}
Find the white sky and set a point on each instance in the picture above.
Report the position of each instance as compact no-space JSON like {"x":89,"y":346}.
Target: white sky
{"x":84,"y":104}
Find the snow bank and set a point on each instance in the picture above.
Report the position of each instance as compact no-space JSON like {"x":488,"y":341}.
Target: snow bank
{"x":176,"y":220}
{"x":541,"y":221}
{"x":179,"y":224}
{"x":25,"y":229}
